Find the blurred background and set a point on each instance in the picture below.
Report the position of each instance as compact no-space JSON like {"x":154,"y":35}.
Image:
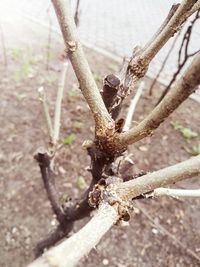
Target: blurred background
{"x":112,"y":27}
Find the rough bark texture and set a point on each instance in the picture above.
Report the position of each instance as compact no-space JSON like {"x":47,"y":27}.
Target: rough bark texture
{"x":82,"y":242}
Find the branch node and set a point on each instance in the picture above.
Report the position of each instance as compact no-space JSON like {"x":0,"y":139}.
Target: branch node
{"x":106,"y":191}
{"x":72,"y":46}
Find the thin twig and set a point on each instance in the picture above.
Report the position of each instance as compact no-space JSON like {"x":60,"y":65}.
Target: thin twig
{"x":132,"y":106}
{"x":193,"y":193}
{"x":3,"y":46}
{"x":58,"y":104}
{"x":77,"y":13}
{"x":164,"y":63}
{"x":42,"y":97}
{"x":164,"y":24}
{"x":174,"y":24}
{"x":167,"y":233}
{"x":183,"y":50}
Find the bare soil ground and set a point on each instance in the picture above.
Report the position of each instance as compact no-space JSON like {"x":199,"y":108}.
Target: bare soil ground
{"x":26,"y":215}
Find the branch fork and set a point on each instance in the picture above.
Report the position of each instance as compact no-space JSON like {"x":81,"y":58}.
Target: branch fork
{"x":110,"y":140}
{"x":105,"y":191}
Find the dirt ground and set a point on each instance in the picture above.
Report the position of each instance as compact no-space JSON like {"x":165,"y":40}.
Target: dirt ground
{"x":26,"y":215}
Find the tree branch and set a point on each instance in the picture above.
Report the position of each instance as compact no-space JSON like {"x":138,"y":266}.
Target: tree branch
{"x":185,"y":86}
{"x":183,"y":50}
{"x":195,"y":7}
{"x":151,"y":181}
{"x":136,"y":68}
{"x":43,"y":99}
{"x":59,"y":103}
{"x":174,"y":24}
{"x":193,"y":193}
{"x":164,"y":24}
{"x":70,"y":251}
{"x":80,"y":65}
{"x":132,"y":107}
{"x":47,"y":176}
{"x":104,"y":124}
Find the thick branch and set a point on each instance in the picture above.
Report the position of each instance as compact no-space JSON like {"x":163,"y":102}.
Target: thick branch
{"x":47,"y":176}
{"x":151,"y":181}
{"x":80,"y":64}
{"x":185,"y":86}
{"x":55,"y":236}
{"x":72,"y":212}
{"x":195,"y":7}
{"x":70,"y":251}
{"x":109,"y":93}
{"x":141,"y":58}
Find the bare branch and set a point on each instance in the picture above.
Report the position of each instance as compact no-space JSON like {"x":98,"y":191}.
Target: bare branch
{"x":102,"y":147}
{"x":59,"y":102}
{"x":193,"y":193}
{"x":183,"y":50}
{"x":185,"y":86}
{"x":150,"y":181}
{"x":109,"y":92}
{"x":47,"y":175}
{"x":141,"y":58}
{"x":77,"y":13}
{"x":80,"y":65}
{"x":106,"y":216}
{"x":164,"y":24}
{"x":43,"y":99}
{"x":132,"y":107}
{"x":70,"y":251}
{"x":182,"y":13}
{"x":195,"y":7}
{"x":72,"y":212}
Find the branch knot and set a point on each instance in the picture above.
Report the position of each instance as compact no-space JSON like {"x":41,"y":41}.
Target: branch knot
{"x":106,"y":190}
{"x":72,"y":46}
